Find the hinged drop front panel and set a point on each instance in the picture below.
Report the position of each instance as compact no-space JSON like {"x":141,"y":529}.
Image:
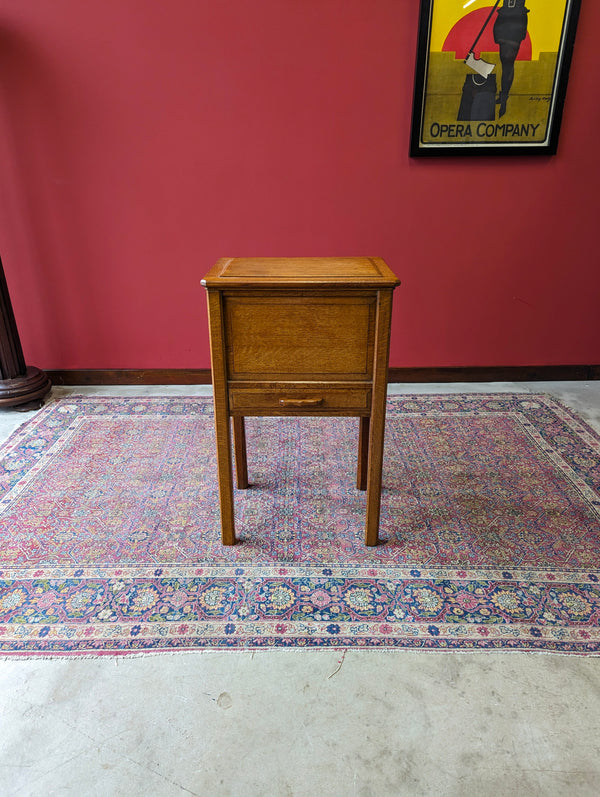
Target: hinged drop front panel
{"x":300,"y":337}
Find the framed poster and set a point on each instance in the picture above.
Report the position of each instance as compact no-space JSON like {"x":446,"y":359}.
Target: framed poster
{"x":491,"y":76}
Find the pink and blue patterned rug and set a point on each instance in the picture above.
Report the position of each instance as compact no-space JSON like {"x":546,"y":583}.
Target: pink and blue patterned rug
{"x":110,"y":533}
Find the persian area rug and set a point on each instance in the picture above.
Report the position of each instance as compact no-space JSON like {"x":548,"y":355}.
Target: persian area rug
{"x":490,"y":527}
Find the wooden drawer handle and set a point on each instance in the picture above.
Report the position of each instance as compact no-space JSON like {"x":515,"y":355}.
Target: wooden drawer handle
{"x":287,"y":402}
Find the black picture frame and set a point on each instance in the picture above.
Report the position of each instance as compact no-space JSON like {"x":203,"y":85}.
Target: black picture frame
{"x":456,"y":82}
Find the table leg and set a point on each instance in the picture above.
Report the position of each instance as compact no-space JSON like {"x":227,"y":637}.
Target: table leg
{"x":239,"y":445}
{"x":224,"y":467}
{"x":374,"y":483}
{"x":222,"y":424}
{"x":377,"y":431}
{"x":363,"y":454}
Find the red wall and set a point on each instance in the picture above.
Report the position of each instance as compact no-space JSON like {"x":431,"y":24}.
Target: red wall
{"x":141,"y":140}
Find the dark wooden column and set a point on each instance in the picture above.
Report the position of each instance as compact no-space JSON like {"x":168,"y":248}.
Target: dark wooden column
{"x":21,"y":387}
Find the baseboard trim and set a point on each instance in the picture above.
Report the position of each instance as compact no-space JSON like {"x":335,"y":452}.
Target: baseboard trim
{"x":132,"y":376}
{"x":508,"y":373}
{"x":202,"y":376}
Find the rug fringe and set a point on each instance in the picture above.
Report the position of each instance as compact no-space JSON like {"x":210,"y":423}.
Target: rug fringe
{"x":120,"y":656}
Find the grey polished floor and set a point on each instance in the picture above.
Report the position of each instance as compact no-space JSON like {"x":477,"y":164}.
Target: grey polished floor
{"x":291,"y":723}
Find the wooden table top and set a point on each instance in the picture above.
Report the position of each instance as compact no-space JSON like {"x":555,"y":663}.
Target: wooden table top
{"x":289,"y":272}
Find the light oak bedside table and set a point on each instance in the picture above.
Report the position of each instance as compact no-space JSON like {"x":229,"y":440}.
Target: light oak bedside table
{"x":300,"y":336}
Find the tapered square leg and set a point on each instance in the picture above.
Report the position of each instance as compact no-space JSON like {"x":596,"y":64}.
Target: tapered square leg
{"x":363,"y":454}
{"x":377,"y":421}
{"x":374,"y":482}
{"x":239,"y":446}
{"x":224,"y":467}
{"x":222,"y":424}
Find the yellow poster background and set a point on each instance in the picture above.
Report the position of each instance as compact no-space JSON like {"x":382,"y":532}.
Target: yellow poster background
{"x":544,"y":24}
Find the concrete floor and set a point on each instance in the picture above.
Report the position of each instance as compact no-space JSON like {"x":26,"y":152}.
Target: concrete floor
{"x":288,"y":723}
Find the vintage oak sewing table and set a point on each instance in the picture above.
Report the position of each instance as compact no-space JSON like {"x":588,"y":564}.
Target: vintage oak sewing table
{"x":300,"y":336}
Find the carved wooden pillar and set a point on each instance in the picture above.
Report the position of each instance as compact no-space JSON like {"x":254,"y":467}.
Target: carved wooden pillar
{"x":21,"y":387}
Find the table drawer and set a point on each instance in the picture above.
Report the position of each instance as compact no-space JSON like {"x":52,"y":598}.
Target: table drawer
{"x":300,"y":401}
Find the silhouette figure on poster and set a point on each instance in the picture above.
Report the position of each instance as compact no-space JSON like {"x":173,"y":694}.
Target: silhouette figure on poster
{"x":479,"y":99}
{"x":510,"y":28}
